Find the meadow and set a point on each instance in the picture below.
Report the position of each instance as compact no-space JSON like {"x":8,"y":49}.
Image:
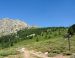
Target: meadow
{"x":51,"y":40}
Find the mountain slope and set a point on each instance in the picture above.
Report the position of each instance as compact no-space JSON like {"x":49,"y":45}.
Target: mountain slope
{"x":8,"y":25}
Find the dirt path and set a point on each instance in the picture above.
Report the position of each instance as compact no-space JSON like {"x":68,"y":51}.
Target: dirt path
{"x":27,"y":54}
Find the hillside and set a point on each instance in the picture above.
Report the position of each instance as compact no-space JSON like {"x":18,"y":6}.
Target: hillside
{"x":45,"y":40}
{"x":8,"y":25}
{"x":40,"y":42}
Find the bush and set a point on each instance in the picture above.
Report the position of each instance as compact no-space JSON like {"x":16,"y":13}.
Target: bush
{"x":1,"y":57}
{"x":8,"y":52}
{"x":67,"y":53}
{"x":71,"y":30}
{"x":51,"y":54}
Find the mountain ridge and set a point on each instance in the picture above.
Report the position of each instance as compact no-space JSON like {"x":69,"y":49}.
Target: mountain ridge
{"x":8,"y":25}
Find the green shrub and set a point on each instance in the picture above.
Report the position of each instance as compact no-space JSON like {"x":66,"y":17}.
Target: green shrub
{"x":67,"y":53}
{"x":1,"y":57}
{"x":51,"y":54}
{"x":8,"y":52}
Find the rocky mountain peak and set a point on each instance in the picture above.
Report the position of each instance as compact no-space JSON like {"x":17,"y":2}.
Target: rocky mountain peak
{"x":8,"y":25}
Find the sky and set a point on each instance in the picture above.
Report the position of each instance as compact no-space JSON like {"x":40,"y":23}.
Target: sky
{"x":44,"y":13}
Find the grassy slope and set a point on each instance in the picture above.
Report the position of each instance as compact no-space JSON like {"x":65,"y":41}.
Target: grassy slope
{"x":53,"y":45}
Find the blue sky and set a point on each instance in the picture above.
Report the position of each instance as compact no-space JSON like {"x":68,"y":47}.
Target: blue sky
{"x":40,"y":12}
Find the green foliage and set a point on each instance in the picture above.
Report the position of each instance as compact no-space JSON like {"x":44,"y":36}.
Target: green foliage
{"x":37,"y":39}
{"x":1,"y":57}
{"x":71,"y":30}
{"x":46,"y":40}
{"x":67,"y":53}
{"x":40,"y":34}
{"x":7,"y":52}
{"x":8,"y":40}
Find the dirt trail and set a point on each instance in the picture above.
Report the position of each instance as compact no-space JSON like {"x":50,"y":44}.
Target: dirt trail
{"x":27,"y":54}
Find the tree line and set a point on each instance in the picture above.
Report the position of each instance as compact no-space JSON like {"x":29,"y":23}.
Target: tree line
{"x":10,"y":40}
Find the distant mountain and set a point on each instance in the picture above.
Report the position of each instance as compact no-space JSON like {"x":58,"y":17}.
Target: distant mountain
{"x":8,"y":26}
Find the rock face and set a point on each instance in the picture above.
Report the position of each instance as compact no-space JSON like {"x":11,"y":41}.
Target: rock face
{"x":8,"y":25}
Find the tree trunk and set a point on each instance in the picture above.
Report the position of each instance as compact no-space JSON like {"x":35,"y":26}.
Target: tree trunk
{"x":69,"y":44}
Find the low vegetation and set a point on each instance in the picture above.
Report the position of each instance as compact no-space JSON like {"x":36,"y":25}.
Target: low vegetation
{"x":51,"y":40}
